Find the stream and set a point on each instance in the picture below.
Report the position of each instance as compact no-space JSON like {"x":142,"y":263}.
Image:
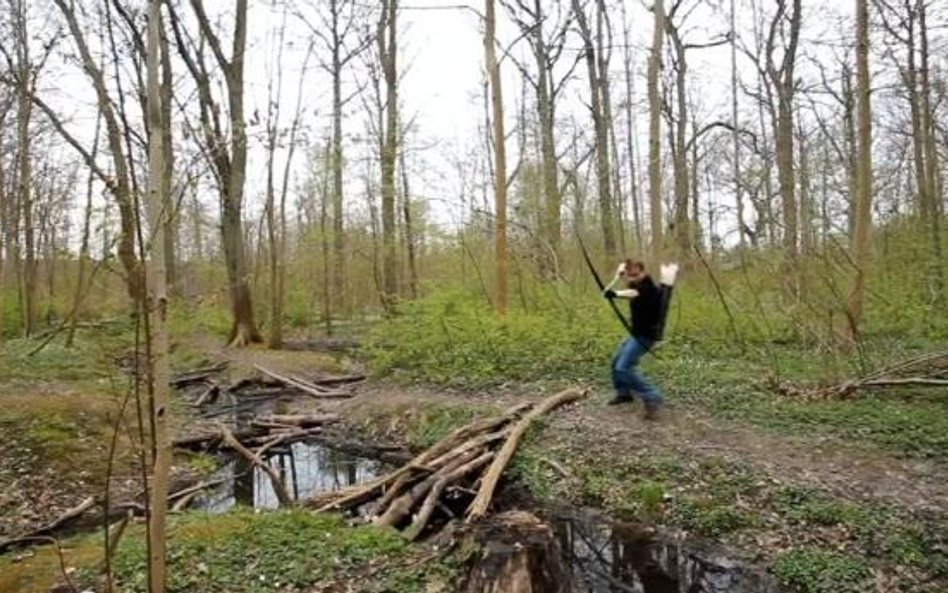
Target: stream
{"x":600,"y":555}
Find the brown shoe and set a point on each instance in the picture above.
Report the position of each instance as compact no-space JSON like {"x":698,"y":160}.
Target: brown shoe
{"x":652,"y":412}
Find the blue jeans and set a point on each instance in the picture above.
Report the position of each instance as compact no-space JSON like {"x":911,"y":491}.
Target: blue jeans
{"x":627,"y":378}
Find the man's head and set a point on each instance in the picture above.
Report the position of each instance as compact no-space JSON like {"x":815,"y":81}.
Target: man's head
{"x":634,"y":269}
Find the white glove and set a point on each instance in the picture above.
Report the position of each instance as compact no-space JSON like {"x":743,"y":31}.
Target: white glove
{"x":668,"y":274}
{"x":620,"y":271}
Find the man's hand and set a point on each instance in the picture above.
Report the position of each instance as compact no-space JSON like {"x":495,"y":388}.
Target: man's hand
{"x":609,"y":293}
{"x":668,"y":274}
{"x":620,"y":271}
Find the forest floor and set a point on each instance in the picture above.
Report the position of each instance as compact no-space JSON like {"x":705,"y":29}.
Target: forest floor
{"x":825,"y":497}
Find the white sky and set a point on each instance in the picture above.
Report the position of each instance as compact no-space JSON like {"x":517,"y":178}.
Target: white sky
{"x":441,"y":59}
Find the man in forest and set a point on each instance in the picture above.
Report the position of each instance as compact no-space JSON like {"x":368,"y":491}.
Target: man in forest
{"x":648,"y":312}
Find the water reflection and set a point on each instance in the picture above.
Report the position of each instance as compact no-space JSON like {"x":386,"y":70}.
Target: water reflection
{"x":622,"y":558}
{"x":308,"y":469}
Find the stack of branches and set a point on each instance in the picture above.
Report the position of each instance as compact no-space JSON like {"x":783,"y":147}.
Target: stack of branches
{"x":926,"y":370}
{"x":469,"y":461}
{"x":204,"y":386}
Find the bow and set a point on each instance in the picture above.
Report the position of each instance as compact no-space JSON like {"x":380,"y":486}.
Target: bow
{"x":602,"y":287}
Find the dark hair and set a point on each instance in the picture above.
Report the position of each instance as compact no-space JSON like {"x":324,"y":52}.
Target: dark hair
{"x":634,"y":264}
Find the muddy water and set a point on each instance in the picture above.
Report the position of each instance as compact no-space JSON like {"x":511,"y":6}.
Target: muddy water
{"x":309,"y":468}
{"x":607,"y":557}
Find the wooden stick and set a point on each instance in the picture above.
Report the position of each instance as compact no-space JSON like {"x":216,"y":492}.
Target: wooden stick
{"x":195,"y":488}
{"x":306,"y":388}
{"x":402,"y":505}
{"x":278,"y":486}
{"x":492,"y":476}
{"x":450,"y":442}
{"x":428,"y":506}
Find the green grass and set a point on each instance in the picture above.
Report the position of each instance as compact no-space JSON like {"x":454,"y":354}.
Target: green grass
{"x":819,"y":571}
{"x":292,"y":550}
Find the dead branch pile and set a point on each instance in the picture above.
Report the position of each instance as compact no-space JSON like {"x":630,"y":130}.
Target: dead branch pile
{"x":468,"y":462}
{"x":205,"y":386}
{"x":927,"y":370}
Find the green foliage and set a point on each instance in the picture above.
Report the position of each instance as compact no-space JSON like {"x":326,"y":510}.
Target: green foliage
{"x":453,"y":339}
{"x":291,"y":550}
{"x":811,"y":570}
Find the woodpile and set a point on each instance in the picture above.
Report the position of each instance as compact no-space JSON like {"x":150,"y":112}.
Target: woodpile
{"x":205,"y":386}
{"x":466,"y":465}
{"x":927,"y":370}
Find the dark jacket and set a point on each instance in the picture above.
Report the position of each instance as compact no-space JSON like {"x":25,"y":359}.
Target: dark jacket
{"x":646,"y":310}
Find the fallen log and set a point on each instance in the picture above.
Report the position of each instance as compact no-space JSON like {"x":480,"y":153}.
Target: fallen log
{"x":43,"y":530}
{"x":300,"y":420}
{"x":198,"y":375}
{"x":434,"y":495}
{"x":486,"y":492}
{"x":279,"y":487}
{"x":305,"y":387}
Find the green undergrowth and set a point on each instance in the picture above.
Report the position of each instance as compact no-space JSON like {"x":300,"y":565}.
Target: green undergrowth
{"x":246,"y":551}
{"x":715,"y":498}
{"x":450,"y":339}
{"x":294,"y":550}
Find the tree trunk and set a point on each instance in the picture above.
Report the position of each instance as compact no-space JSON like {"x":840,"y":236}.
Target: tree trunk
{"x":387,"y":50}
{"x":680,"y":160}
{"x":735,"y":140}
{"x":24,"y":174}
{"x":863,"y":193}
{"x":630,"y":133}
{"x":500,"y":160}
{"x":601,"y":133}
{"x":932,"y":185}
{"x":157,"y":307}
{"x":409,"y":231}
{"x":654,"y":131}
{"x":338,"y":298}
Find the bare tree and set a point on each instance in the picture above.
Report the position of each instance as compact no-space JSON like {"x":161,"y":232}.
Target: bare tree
{"x":500,"y":158}
{"x":654,"y":130}
{"x":597,"y":68}
{"x":227,"y":157}
{"x":863,"y":198}
{"x":336,"y":25}
{"x":388,"y":51}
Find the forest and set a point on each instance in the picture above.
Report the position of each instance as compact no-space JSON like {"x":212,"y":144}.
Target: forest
{"x":322,"y":296}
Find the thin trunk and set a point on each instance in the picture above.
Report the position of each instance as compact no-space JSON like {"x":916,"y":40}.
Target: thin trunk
{"x":336,"y":163}
{"x":172,"y":220}
{"x":863,"y":193}
{"x":84,"y":246}
{"x":409,"y":231}
{"x":387,"y":51}
{"x":601,"y":133}
{"x":735,"y":140}
{"x":654,"y":131}
{"x":932,"y":185}
{"x":24,"y":156}
{"x":500,"y":160}
{"x":157,"y":308}
{"x":680,"y":160}
{"x":630,"y":133}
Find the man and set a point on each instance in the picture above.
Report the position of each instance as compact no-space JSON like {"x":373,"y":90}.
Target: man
{"x":645,"y":302}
